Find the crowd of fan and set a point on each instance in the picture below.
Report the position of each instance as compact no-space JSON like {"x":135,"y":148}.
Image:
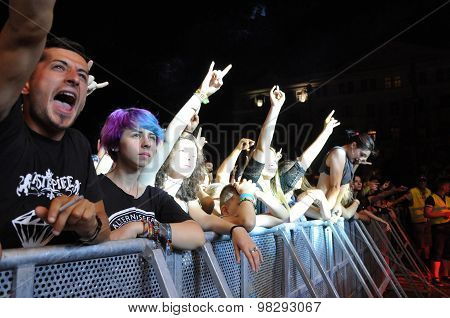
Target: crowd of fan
{"x":153,"y":183}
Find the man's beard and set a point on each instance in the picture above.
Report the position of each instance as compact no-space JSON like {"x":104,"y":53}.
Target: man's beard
{"x":44,"y":120}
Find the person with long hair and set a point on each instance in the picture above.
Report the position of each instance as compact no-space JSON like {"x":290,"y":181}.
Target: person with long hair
{"x":181,"y":175}
{"x":273,"y":207}
{"x":337,"y":171}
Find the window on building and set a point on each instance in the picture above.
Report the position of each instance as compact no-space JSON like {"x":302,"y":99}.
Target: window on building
{"x":341,"y":88}
{"x":397,"y":81}
{"x":388,"y":82}
{"x":363,"y":85}
{"x":373,"y":84}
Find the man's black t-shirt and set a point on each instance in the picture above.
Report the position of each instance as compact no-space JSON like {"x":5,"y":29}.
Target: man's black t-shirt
{"x":123,"y":208}
{"x":35,"y":170}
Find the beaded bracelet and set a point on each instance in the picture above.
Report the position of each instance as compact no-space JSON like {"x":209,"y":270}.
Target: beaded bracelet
{"x":158,"y":232}
{"x":201,"y":96}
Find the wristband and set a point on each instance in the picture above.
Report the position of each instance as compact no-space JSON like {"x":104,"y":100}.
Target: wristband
{"x":94,"y":236}
{"x":201,"y":96}
{"x":166,"y":237}
{"x":159,"y":233}
{"x":232,"y":228}
{"x":247,"y":197}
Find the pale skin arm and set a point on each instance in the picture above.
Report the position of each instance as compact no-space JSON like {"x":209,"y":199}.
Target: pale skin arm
{"x":275,"y":207}
{"x":305,"y":201}
{"x":245,"y":213}
{"x":22,"y":42}
{"x":277,"y":99}
{"x":336,"y":162}
{"x":211,"y":84}
{"x":313,"y":150}
{"x":187,"y":235}
{"x":376,"y":218}
{"x":404,"y":197}
{"x":241,"y":239}
{"x":245,"y":216}
{"x":225,"y":169}
{"x":375,"y":198}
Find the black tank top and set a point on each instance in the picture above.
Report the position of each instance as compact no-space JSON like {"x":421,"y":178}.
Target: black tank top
{"x":347,"y":175}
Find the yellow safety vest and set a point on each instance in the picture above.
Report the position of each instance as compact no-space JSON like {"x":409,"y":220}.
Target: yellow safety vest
{"x":439,"y":205}
{"x":418,"y":205}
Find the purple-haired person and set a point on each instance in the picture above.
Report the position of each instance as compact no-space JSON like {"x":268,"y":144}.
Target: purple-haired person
{"x":131,"y":136}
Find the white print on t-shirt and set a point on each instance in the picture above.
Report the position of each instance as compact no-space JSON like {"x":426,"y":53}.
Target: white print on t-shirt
{"x":123,"y":217}
{"x":38,"y":185}
{"x":32,"y":230}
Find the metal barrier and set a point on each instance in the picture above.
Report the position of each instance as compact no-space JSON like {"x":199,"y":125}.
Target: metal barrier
{"x":305,"y":259}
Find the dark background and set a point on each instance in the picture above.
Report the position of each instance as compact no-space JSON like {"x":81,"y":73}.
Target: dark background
{"x":155,"y":54}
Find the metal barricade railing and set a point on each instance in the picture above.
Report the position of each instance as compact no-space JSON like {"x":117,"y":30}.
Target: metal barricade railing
{"x":300,"y":260}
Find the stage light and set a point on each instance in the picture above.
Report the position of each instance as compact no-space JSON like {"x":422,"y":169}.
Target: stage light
{"x":259,"y":100}
{"x":302,"y":95}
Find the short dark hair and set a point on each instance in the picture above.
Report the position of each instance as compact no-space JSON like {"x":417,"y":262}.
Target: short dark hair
{"x":227,"y":193}
{"x":67,"y":44}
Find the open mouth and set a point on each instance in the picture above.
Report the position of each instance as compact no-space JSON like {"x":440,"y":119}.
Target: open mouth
{"x":66,"y":100}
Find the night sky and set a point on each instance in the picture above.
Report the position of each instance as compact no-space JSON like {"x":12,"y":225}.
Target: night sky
{"x":156,"y":54}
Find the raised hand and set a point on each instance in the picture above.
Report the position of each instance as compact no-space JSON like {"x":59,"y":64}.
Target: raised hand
{"x":279,"y":155}
{"x":330,"y":122}
{"x":245,"y":186}
{"x":92,"y":84}
{"x":245,"y":144}
{"x":213,"y":80}
{"x":201,"y":140}
{"x":277,"y":97}
{"x":195,"y":120}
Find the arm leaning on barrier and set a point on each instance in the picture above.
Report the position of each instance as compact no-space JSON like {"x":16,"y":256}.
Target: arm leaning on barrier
{"x":187,"y":235}
{"x":241,"y":239}
{"x":85,"y":218}
{"x":244,"y":214}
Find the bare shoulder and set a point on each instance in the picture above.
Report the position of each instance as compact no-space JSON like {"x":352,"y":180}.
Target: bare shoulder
{"x":337,"y":154}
